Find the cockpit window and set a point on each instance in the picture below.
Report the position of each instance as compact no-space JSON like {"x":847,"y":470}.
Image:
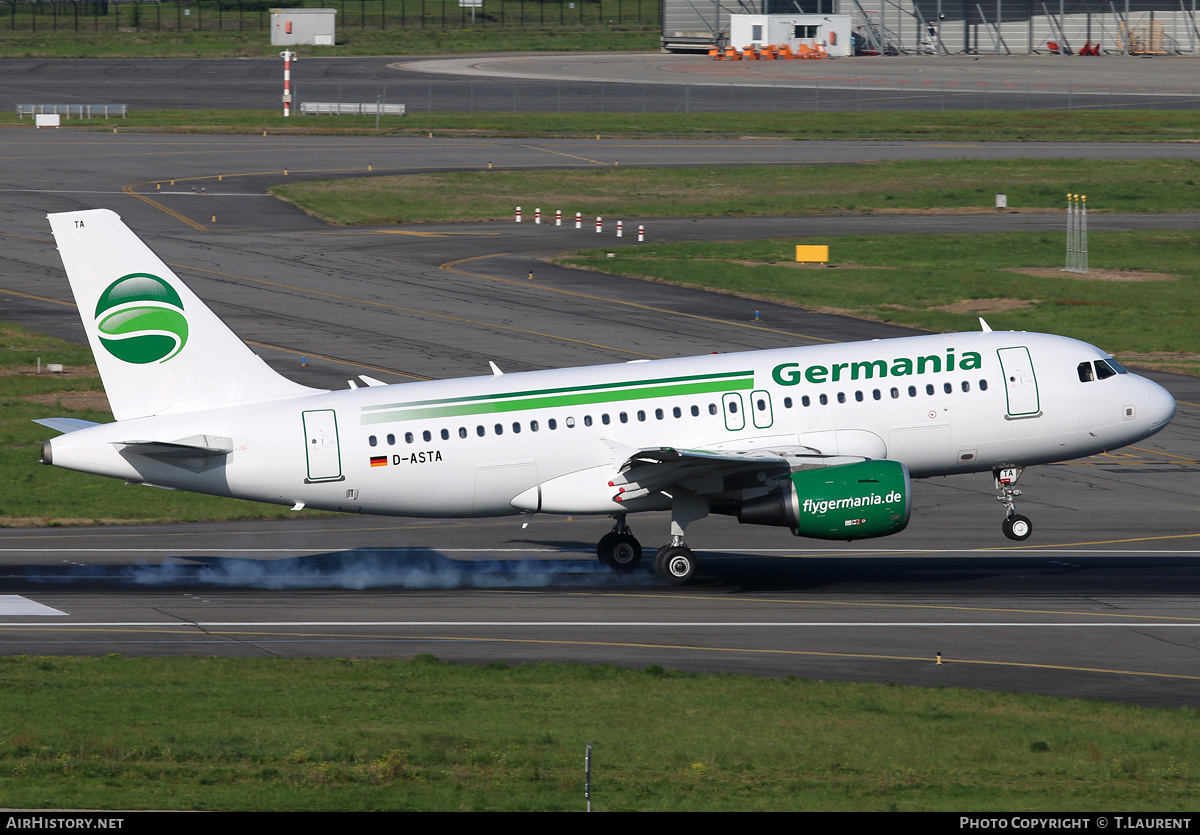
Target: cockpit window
{"x":1104,"y":369}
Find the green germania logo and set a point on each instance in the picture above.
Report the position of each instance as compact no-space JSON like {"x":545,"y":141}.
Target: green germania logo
{"x":140,"y":319}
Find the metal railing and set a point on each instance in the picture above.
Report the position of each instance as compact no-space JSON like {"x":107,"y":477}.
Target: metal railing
{"x":77,"y":111}
{"x":322,"y":108}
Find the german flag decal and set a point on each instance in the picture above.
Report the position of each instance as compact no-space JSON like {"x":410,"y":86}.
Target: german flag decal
{"x":378,"y":460}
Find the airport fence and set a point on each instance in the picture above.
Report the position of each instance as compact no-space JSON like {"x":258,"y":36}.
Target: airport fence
{"x":250,"y":15}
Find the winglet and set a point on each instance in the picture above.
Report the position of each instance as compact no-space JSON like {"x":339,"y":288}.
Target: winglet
{"x":984,"y":325}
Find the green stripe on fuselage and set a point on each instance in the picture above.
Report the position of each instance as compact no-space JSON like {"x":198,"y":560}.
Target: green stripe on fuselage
{"x":560,"y":397}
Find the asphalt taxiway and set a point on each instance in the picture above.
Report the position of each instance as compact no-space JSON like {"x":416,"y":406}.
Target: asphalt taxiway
{"x":1100,"y":603}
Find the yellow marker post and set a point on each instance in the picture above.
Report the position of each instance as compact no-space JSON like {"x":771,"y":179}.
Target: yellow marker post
{"x":810,"y":254}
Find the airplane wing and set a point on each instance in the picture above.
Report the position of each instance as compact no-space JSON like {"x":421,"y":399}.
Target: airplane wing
{"x":714,"y":472}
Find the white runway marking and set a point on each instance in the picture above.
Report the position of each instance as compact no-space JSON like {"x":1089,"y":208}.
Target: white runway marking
{"x":14,"y":604}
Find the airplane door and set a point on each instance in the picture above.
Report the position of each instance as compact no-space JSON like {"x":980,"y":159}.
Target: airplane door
{"x":760,"y":409}
{"x":321,"y":446}
{"x":1020,"y":383}
{"x":735,"y":418}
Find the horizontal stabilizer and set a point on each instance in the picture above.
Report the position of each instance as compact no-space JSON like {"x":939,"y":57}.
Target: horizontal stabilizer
{"x":65,"y":425}
{"x":195,"y":454}
{"x":185,"y":447}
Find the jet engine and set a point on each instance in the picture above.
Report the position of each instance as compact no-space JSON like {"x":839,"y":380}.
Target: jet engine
{"x":846,"y":501}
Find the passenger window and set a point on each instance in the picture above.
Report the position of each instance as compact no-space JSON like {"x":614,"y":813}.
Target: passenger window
{"x":391,"y":440}
{"x":462,"y":431}
{"x":533,"y":426}
{"x":983,"y":385}
{"x":426,"y":435}
{"x":516,"y":427}
{"x":408,"y":437}
{"x":947,"y":387}
{"x":372,"y":441}
{"x":677,"y":412}
{"x":570,"y":422}
{"x":695,"y":411}
{"x":445,"y":434}
{"x":587,"y":420}
{"x":551,"y":424}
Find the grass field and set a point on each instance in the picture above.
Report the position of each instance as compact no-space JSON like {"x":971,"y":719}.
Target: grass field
{"x":765,"y":190}
{"x":362,"y":735}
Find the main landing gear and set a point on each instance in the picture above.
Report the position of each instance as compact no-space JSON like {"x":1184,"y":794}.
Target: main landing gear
{"x":1015,"y":526}
{"x":619,"y":549}
{"x":674,"y":563}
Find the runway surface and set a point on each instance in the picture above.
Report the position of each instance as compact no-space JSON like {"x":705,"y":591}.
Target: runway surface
{"x":1100,"y":603}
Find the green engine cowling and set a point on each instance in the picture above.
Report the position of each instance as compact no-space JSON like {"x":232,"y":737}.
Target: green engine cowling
{"x":848,"y":501}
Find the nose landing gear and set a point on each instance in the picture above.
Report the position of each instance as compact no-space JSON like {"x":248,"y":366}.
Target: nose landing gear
{"x":1016,"y":526}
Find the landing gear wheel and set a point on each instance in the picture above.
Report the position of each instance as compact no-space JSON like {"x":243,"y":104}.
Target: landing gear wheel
{"x":619,"y":551}
{"x":1018,"y":527}
{"x":675,"y":564}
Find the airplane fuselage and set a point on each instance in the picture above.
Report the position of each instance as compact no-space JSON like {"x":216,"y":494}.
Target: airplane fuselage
{"x":552,"y":441}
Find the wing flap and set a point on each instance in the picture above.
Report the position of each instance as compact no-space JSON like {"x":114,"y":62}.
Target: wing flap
{"x":712,"y":472}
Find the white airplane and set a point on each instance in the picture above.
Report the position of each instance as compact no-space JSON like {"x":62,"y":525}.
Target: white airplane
{"x":822,"y":440}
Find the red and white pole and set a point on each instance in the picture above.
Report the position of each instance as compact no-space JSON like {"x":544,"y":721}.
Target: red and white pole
{"x":599,"y":224}
{"x":518,"y":214}
{"x":641,"y":233}
{"x":620,"y":228}
{"x":558,"y":217}
{"x":537,"y":215}
{"x":287,"y":56}
{"x":579,"y":220}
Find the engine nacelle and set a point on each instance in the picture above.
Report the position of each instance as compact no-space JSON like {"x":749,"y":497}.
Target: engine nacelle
{"x":848,"y":501}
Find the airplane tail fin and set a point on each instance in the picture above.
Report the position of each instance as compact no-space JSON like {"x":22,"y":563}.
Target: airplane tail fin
{"x":159,"y":349}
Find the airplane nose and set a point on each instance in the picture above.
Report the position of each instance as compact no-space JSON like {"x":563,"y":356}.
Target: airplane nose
{"x":1156,"y":405}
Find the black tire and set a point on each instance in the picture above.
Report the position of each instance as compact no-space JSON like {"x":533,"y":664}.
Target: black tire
{"x":1018,"y":527}
{"x":619,"y":551}
{"x":675,"y":565}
